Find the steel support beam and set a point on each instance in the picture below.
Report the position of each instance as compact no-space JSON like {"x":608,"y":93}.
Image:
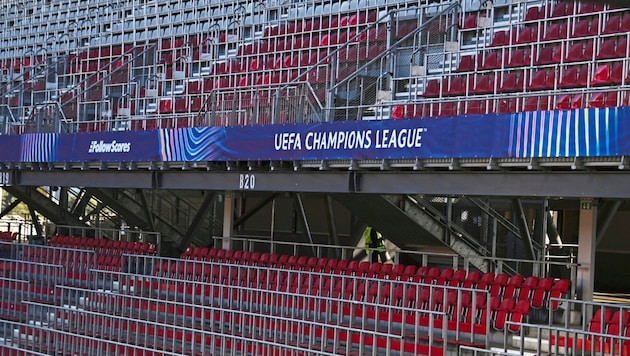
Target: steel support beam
{"x":600,"y":184}
{"x":333,"y":237}
{"x":254,"y":210}
{"x":91,"y":178}
{"x":197,"y":220}
{"x":10,"y":207}
{"x":522,"y":223}
{"x":307,"y":229}
{"x":35,"y":221}
{"x":605,"y":215}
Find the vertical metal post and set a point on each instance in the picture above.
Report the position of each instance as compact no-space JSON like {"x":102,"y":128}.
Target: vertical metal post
{"x":228,"y":219}
{"x":272,"y":246}
{"x":449,"y":218}
{"x":329,"y":105}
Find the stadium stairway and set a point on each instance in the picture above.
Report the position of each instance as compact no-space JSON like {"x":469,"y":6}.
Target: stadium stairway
{"x":415,"y":226}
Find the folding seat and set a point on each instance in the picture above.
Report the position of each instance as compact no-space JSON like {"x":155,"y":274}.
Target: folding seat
{"x":469,"y":22}
{"x":560,"y":289}
{"x":608,"y":74}
{"x":621,"y":48}
{"x":492,"y":60}
{"x":600,"y":321}
{"x":527,"y":35}
{"x":432,"y":89}
{"x":466,"y":63}
{"x":519,"y":57}
{"x":539,"y":295}
{"x":407,"y":273}
{"x":352,"y":268}
{"x":530,"y":281}
{"x":499,"y":283}
{"x":613,"y":25}
{"x":556,"y":31}
{"x":563,"y":102}
{"x":562,"y":9}
{"x":486,"y":280}
{"x":506,"y":105}
{"x":373,"y":269}
{"x":585,"y":27}
{"x":574,"y":77}
{"x":476,"y":107}
{"x":580,"y":51}
{"x":535,"y":13}
{"x":607,"y":49}
{"x":502,"y":313}
{"x":458,"y":278}
{"x":445,"y":275}
{"x":484,"y":84}
{"x":512,"y":82}
{"x":618,"y":325}
{"x":549,"y":55}
{"x":588,"y":7}
{"x":457,"y":86}
{"x":432,"y":274}
{"x":625,"y":23}
{"x":543,"y":79}
{"x":341,"y":266}
{"x":518,"y":315}
{"x":603,"y":100}
{"x":449,"y":108}
{"x":500,"y":38}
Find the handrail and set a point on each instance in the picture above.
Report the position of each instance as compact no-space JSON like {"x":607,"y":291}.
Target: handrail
{"x":454,"y":228}
{"x":394,"y":45}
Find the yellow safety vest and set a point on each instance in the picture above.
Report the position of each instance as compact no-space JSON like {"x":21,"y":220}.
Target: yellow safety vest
{"x":367,"y":237}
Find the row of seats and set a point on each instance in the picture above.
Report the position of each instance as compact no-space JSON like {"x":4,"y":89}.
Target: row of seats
{"x":562,"y":9}
{"x":8,"y":236}
{"x":511,"y":104}
{"x":614,"y":322}
{"x":574,"y":76}
{"x":610,"y":49}
{"x":501,"y":285}
{"x":193,"y":329}
{"x":104,"y":246}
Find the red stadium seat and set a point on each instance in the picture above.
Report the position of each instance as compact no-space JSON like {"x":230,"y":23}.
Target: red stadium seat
{"x":466,"y":64}
{"x":543,"y":79}
{"x":549,"y":55}
{"x":608,"y":74}
{"x":603,"y":100}
{"x":512,"y":82}
{"x":507,"y":105}
{"x":475,"y":107}
{"x":580,"y":51}
{"x":535,"y":13}
{"x":536,"y":103}
{"x":458,"y":86}
{"x":574,"y":77}
{"x":519,"y":58}
{"x":607,"y":49}
{"x":470,"y":22}
{"x":492,"y":60}
{"x":432,"y":89}
{"x":527,"y":35}
{"x":556,"y":31}
{"x":500,"y":38}
{"x":586,"y":27}
{"x":613,"y":25}
{"x":484,"y":84}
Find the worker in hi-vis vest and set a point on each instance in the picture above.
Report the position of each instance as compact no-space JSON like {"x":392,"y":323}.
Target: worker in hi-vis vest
{"x":374,"y":245}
